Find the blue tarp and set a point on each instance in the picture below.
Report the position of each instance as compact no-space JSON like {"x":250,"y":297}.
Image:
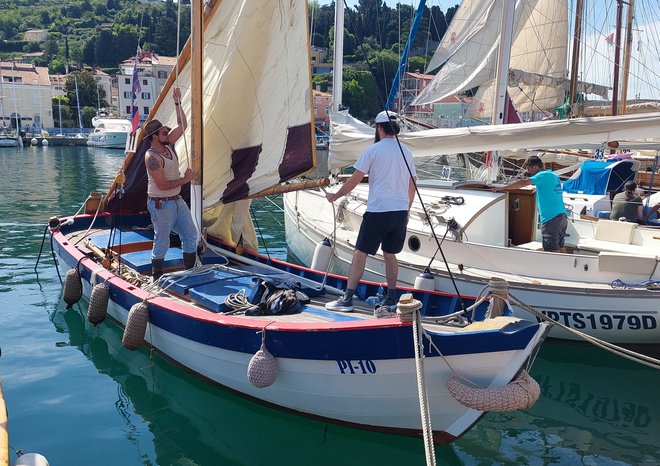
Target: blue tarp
{"x":600,"y":177}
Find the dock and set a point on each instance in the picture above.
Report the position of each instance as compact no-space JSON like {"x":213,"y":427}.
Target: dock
{"x":55,"y":141}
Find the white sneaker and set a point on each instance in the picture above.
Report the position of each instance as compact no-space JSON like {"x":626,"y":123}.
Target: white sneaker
{"x":340,"y":305}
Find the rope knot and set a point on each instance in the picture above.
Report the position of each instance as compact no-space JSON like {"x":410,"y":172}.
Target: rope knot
{"x":407,"y":306}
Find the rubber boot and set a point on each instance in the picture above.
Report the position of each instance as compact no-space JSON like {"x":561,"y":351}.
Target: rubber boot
{"x":189,"y":259}
{"x":157,"y":268}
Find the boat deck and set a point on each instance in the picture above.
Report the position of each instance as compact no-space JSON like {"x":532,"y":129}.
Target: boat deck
{"x":207,"y":287}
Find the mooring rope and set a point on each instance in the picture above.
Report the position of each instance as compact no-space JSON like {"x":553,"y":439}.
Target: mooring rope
{"x":502,"y":289}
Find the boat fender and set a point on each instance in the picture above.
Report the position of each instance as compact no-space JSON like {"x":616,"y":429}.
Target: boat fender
{"x":322,"y":255}
{"x":34,"y":141}
{"x":425,"y":281}
{"x":31,"y":459}
{"x":98,"y":304}
{"x":262,"y":369}
{"x":136,"y":325}
{"x":521,"y":393}
{"x":72,"y":287}
{"x":44,"y":142}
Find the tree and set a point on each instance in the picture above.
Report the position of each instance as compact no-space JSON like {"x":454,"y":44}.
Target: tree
{"x":360,"y":94}
{"x":88,"y":90}
{"x":61,"y":107}
{"x":104,"y":50}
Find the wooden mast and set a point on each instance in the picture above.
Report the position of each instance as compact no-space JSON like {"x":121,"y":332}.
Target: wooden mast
{"x":626,"y":56}
{"x":617,"y":64}
{"x":197,"y":136}
{"x":575,"y":59}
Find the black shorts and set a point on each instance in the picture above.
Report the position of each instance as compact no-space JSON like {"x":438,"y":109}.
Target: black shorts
{"x":382,"y":228}
{"x":553,"y":232}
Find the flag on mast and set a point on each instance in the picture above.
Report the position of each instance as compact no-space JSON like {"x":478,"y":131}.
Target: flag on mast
{"x":135,"y":91}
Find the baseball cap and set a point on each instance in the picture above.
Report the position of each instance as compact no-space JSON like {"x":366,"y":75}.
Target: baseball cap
{"x":386,"y":116}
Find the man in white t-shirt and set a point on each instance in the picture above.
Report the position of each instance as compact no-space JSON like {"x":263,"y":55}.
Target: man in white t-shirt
{"x":392,"y":176}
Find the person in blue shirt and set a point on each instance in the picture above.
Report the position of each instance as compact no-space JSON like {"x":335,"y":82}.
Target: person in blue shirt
{"x":549,"y":201}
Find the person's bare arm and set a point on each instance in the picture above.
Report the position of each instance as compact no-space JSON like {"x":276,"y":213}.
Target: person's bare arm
{"x":411,"y":191}
{"x":651,"y":211}
{"x":347,"y":187}
{"x":181,"y":121}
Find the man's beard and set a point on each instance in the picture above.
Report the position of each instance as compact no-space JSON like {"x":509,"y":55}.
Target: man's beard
{"x":376,"y":137}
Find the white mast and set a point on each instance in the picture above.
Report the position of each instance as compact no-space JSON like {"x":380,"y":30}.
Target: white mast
{"x":338,"y":60}
{"x":504,"y":57}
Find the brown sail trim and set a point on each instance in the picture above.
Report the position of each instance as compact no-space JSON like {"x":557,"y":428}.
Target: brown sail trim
{"x":298,"y":156}
{"x":243,"y":164}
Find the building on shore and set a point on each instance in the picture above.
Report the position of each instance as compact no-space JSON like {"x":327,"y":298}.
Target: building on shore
{"x":25,"y":96}
{"x":153,"y":71}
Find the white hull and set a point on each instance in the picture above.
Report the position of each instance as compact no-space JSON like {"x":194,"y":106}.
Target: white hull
{"x":109,"y":139}
{"x":387,"y":400}
{"x":9,"y":142}
{"x":570,"y":288}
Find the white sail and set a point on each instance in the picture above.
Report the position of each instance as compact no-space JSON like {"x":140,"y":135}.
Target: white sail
{"x":539,"y":46}
{"x":257,"y":116}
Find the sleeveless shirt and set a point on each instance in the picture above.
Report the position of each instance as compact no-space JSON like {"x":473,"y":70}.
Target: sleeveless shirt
{"x":171,"y":171}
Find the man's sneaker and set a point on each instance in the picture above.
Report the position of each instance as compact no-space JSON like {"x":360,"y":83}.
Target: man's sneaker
{"x":340,"y":305}
{"x":383,"y":312}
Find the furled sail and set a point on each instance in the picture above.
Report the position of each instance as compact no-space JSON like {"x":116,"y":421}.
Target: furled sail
{"x":539,"y":46}
{"x":349,"y":140}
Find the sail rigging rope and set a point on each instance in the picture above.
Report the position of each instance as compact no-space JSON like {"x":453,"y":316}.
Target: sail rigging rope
{"x":607,"y":346}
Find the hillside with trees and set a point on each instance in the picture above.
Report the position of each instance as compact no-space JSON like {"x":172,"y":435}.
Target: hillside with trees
{"x":102,"y":33}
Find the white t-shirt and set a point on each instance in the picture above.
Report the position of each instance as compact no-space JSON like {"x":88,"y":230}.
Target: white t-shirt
{"x":388,"y":175}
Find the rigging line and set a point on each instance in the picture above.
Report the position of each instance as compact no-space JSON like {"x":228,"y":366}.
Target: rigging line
{"x":263,"y":240}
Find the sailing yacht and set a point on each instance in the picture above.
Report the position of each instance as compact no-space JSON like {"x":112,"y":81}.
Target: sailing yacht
{"x":109,"y":132}
{"x":461,"y":235}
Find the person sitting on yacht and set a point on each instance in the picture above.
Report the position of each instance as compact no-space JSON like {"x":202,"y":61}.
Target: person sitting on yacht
{"x":627,"y":205}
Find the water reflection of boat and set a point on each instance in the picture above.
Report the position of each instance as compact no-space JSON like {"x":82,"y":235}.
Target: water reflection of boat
{"x":200,"y":424}
{"x":592,"y":406}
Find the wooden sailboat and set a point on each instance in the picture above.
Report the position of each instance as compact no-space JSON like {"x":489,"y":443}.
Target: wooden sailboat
{"x":246,"y":139}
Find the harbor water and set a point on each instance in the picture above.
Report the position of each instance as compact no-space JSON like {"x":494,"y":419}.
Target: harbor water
{"x":77,"y":397}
